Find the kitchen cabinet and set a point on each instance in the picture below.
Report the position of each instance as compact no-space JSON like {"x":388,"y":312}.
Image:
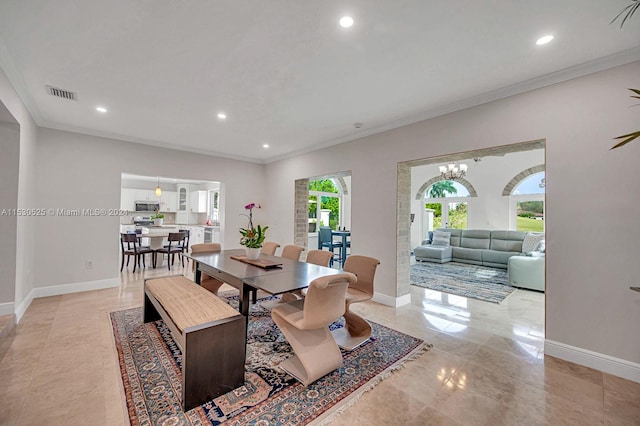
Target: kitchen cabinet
{"x":182,"y":206}
{"x":198,"y":201}
{"x":169,"y":201}
{"x":197,"y":235}
{"x":146,"y":195}
{"x":128,"y":199}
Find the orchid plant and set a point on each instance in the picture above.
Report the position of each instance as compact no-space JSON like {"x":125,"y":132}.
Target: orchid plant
{"x":252,"y":237}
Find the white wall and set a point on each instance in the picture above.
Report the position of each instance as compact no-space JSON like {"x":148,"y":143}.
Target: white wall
{"x":25,"y":226}
{"x":592,"y":251}
{"x":9,"y":161}
{"x":84,"y":172}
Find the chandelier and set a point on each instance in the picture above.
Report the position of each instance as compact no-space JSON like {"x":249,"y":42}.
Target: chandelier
{"x":453,"y":171}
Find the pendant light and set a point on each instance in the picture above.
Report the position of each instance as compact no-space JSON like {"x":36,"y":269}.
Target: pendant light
{"x":158,"y":189}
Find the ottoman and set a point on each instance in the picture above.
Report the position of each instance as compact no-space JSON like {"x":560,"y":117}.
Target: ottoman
{"x":438,"y":254}
{"x":527,"y":272}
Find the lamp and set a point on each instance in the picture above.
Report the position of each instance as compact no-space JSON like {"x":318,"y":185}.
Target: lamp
{"x":453,"y":171}
{"x":158,"y":189}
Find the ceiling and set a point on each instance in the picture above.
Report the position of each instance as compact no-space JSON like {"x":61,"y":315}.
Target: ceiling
{"x":284,"y":72}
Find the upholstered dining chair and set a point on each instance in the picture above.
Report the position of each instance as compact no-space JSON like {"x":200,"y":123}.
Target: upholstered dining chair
{"x":357,"y":330}
{"x":171,"y":249}
{"x":319,"y":257}
{"x":305,"y":325}
{"x":269,"y":248}
{"x":129,"y":245}
{"x":316,"y":257}
{"x":292,"y":252}
{"x":206,"y":281}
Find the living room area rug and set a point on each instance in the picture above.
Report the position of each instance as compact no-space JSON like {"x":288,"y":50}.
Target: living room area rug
{"x":150,"y":364}
{"x":478,"y":282}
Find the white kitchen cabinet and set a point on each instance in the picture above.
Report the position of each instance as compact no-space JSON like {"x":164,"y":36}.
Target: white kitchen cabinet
{"x":146,"y":195}
{"x":196,"y":234}
{"x":128,"y":199}
{"x":182,"y":206}
{"x":198,"y":201}
{"x":169,"y":201}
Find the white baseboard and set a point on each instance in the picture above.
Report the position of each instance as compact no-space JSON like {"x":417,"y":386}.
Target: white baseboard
{"x":395,"y":302}
{"x":22,"y":307}
{"x":6,"y":308}
{"x":56,"y":290}
{"x":608,"y":364}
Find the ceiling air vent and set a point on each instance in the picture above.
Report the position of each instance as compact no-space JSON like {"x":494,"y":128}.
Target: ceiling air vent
{"x":61,"y":93}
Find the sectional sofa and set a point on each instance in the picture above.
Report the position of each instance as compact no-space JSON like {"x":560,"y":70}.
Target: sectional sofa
{"x":512,"y":250}
{"x":475,"y":246}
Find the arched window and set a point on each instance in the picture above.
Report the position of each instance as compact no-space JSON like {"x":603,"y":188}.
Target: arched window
{"x":527,"y":203}
{"x":449,"y":213}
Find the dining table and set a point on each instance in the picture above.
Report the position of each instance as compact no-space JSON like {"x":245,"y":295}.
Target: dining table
{"x":288,"y":276}
{"x":343,"y":234}
{"x":156,"y":236}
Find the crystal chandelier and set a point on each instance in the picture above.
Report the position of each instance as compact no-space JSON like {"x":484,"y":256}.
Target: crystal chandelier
{"x":453,"y":171}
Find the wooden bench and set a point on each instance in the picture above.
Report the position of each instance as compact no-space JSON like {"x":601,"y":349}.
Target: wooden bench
{"x":210,"y":333}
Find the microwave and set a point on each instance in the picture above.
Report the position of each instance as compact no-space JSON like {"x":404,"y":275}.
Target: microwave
{"x":147,"y":206}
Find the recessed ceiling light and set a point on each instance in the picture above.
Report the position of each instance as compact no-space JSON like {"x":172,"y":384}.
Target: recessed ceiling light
{"x":222,"y":115}
{"x":544,"y":40}
{"x":346,"y":21}
{"x":101,"y":109}
{"x":265,"y":145}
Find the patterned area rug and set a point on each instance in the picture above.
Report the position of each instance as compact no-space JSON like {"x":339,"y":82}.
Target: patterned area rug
{"x":478,"y":282}
{"x":150,"y":363}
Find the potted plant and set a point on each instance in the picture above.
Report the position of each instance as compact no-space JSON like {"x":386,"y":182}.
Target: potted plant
{"x":252,"y":237}
{"x":158,"y":219}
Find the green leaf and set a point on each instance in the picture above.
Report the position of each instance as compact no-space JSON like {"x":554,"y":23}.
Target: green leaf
{"x":626,"y":139}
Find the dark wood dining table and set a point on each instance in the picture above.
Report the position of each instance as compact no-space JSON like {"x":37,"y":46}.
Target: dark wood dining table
{"x":290,"y":276}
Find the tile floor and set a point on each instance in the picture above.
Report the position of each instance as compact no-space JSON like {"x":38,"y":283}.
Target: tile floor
{"x":59,"y":366}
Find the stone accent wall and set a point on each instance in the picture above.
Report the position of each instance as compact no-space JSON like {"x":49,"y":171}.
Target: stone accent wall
{"x":301,"y":225}
{"x":403,"y":261}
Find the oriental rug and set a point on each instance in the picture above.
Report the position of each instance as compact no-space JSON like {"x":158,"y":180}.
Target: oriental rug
{"x":150,"y":363}
{"x":477,"y":282}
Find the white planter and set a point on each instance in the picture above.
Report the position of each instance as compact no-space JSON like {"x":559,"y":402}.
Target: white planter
{"x":252,"y":253}
{"x":157,"y":222}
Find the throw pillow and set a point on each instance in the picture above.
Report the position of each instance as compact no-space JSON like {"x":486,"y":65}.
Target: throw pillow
{"x":441,"y":238}
{"x":540,"y":247}
{"x":530,"y":241}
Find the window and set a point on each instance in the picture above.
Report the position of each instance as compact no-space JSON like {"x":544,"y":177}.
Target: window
{"x":214,"y":206}
{"x":528,"y":203}
{"x":325,"y":204}
{"x":449,"y":213}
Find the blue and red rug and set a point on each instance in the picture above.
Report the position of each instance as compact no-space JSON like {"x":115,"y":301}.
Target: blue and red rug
{"x":150,"y":363}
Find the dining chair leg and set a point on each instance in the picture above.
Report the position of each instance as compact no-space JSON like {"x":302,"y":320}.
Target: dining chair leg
{"x":135,"y":263}
{"x":122,"y":263}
